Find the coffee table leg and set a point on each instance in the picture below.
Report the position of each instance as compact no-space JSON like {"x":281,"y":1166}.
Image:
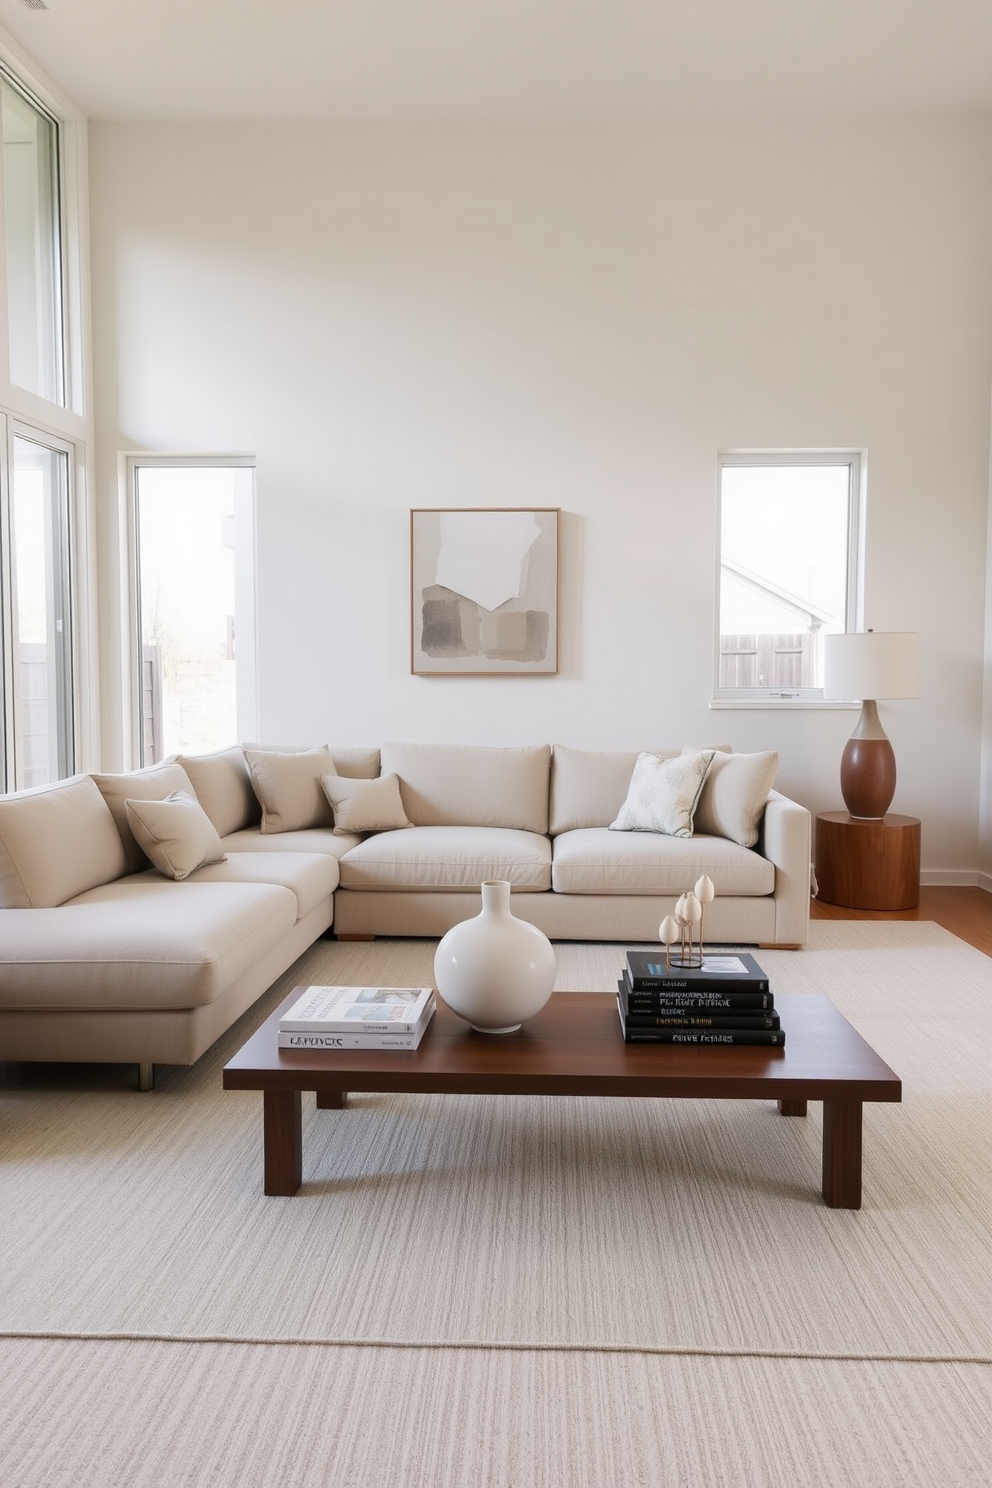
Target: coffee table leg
{"x":792,"y":1108}
{"x":842,"y":1154}
{"x":331,"y":1100}
{"x":283,"y":1141}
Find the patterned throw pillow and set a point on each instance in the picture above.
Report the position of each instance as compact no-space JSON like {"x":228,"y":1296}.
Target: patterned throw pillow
{"x":663,"y":793}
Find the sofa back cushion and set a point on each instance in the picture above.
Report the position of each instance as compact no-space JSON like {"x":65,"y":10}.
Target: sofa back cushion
{"x":222,"y":779}
{"x":151,"y":784}
{"x":589,"y":786}
{"x":472,"y":785}
{"x":56,"y":841}
{"x":223,"y":788}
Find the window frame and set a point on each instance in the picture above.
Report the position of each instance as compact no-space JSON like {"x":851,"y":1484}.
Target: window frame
{"x":247,"y":688}
{"x":62,"y":338}
{"x":857,"y":462}
{"x":67,"y":425}
{"x":64,"y":556}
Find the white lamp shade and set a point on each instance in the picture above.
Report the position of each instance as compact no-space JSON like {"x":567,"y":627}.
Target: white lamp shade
{"x":872,"y":664}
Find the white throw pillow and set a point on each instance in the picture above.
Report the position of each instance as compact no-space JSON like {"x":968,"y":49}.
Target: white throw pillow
{"x":176,"y":834}
{"x":365,"y":805}
{"x":288,"y":787}
{"x":734,"y":796}
{"x":663,"y":793}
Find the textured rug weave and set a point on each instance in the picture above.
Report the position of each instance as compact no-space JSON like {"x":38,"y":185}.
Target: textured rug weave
{"x":526,"y":1222}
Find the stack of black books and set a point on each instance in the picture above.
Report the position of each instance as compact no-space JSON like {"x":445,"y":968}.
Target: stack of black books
{"x":727,"y":1000}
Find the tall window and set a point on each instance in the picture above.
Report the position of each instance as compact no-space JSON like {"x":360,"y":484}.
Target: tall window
{"x":32,"y":243}
{"x":194,"y":558}
{"x":35,"y":527}
{"x":790,"y":565}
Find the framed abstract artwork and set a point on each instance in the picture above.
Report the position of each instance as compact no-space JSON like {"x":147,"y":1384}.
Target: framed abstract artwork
{"x":484,"y":591}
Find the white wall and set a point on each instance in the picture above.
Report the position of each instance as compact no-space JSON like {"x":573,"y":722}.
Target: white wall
{"x":392,"y":318}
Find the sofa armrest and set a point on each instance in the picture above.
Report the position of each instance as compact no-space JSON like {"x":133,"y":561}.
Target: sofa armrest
{"x":786,"y":841}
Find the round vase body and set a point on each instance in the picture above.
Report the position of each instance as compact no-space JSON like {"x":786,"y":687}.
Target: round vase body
{"x":495,"y":970}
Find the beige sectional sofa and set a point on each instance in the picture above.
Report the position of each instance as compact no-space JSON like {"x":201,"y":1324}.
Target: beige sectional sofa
{"x":144,"y":912}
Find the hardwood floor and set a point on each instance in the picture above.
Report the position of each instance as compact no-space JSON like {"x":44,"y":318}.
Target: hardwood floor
{"x":966,"y":912}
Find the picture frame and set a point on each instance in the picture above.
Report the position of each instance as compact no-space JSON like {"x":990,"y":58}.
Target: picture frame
{"x":484,"y":591}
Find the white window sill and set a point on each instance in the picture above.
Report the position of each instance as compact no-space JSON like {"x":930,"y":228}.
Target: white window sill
{"x":765,"y":704}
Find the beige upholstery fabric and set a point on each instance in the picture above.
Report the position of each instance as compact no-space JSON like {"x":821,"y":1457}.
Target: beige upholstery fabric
{"x":307,"y":840}
{"x":468,"y":785}
{"x":56,"y":841}
{"x":448,"y":858}
{"x":222,"y":784}
{"x":288,"y":786}
{"x":119,"y":947}
{"x":734,"y":794}
{"x":662,"y":794}
{"x":365,"y":805}
{"x":152,"y":784}
{"x":588,"y":786}
{"x":312,"y":876}
{"x":594,"y":860}
{"x":176,"y":834}
{"x":355,"y":764}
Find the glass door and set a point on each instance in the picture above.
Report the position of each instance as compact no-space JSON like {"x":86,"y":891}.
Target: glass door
{"x":37,"y":669}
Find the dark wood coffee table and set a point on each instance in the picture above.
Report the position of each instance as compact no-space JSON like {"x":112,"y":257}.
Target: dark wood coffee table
{"x":574,"y":1047}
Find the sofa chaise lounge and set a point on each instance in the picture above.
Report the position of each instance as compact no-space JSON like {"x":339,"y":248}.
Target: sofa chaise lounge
{"x":144,"y":912}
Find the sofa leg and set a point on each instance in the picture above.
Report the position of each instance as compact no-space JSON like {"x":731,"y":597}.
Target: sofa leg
{"x":146,"y":1076}
{"x":356,"y":937}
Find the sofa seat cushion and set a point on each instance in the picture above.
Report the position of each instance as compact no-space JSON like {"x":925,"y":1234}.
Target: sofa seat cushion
{"x":458,"y":858}
{"x":313,"y":877}
{"x":594,"y":860}
{"x":307,"y":840}
{"x":143,"y":942}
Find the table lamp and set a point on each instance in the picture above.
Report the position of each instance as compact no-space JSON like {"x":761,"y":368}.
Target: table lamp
{"x":869,"y":665}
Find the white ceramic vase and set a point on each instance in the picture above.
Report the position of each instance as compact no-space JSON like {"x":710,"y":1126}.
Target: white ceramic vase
{"x":495,"y":970}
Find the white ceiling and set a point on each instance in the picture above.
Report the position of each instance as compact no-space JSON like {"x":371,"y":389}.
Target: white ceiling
{"x":508,"y":59}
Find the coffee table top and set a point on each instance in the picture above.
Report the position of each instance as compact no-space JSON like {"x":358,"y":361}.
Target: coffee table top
{"x":574,"y":1047}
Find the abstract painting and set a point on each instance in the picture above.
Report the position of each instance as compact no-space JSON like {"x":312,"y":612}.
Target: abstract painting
{"x":484,"y":591}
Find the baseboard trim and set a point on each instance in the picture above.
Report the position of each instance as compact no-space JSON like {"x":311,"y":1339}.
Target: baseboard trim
{"x":955,"y":878}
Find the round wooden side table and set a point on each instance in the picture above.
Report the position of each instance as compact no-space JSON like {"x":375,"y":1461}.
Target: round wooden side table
{"x":862,"y":863}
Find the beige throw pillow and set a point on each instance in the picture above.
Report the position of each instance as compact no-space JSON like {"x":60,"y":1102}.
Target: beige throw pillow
{"x":153,"y":783}
{"x":288,"y":787}
{"x":176,"y":834}
{"x":663,"y":793}
{"x":365,"y":805}
{"x":734,"y":796}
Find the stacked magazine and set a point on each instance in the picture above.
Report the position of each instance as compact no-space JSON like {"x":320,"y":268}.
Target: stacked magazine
{"x":357,"y":1018}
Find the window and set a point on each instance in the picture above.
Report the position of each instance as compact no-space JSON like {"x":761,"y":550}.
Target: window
{"x":32,"y":243}
{"x":35,"y":542}
{"x":790,"y":528}
{"x":194,"y":586}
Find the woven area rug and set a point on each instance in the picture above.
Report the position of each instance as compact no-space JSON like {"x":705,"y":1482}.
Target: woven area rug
{"x":528,"y":1221}
{"x":517,"y":1291}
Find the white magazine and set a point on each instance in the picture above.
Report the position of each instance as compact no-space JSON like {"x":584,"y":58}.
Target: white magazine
{"x":357,"y":1010}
